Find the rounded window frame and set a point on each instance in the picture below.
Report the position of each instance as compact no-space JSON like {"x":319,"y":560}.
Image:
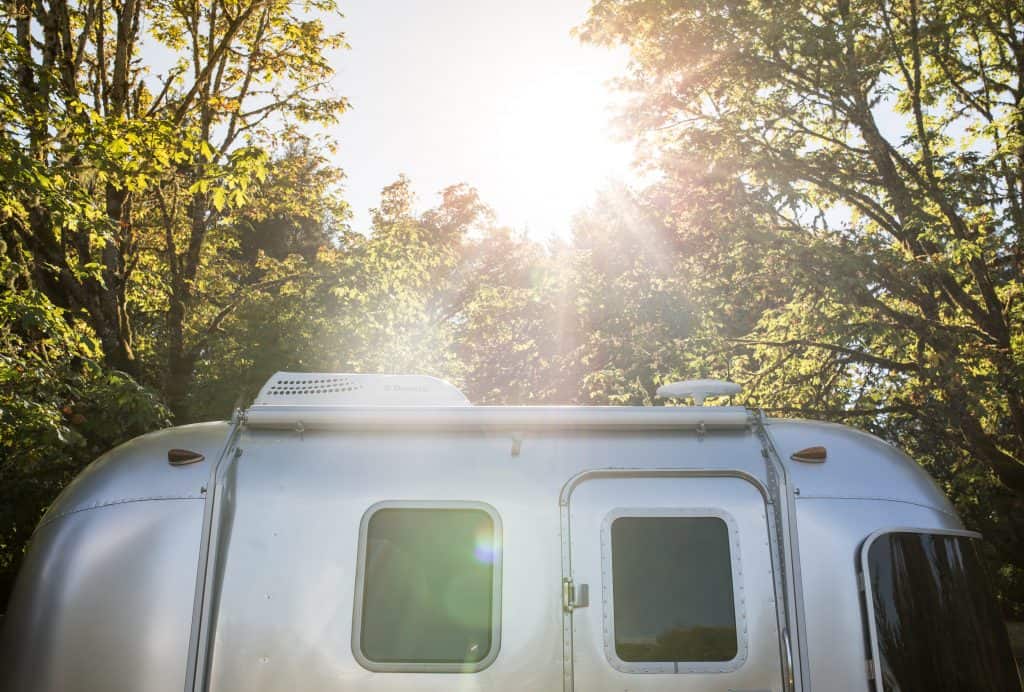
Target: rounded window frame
{"x":360,"y":582}
{"x":608,"y":599}
{"x":868,"y":600}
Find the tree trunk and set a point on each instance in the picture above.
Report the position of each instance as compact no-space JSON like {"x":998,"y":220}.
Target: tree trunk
{"x":180,"y":371}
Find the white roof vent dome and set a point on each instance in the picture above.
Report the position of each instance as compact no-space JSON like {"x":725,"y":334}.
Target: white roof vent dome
{"x":698,"y":390}
{"x":351,"y":389}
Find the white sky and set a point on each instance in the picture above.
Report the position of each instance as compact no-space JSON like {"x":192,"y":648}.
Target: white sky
{"x":492,"y":93}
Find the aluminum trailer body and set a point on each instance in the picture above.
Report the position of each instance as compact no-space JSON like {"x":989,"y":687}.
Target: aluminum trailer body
{"x":378,"y":533}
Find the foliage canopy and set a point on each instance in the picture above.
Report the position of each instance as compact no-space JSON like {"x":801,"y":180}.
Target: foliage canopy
{"x":836,"y":222}
{"x":862,"y":259}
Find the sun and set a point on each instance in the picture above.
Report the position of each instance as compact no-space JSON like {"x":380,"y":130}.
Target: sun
{"x":555,"y":146}
{"x":498,"y":96}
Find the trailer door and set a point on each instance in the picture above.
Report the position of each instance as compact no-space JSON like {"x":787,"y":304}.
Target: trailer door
{"x":669,"y":584}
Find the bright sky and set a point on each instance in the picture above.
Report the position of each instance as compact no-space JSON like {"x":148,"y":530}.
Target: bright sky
{"x":492,"y":93}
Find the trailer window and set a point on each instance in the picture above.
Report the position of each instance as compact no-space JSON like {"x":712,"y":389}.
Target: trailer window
{"x":428,"y":588}
{"x":936,"y":625}
{"x":674,"y":607}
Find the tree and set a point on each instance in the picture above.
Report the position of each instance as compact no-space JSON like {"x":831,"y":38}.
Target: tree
{"x":862,"y":162}
{"x":512,"y":327}
{"x":264,"y":306}
{"x":416,"y":294}
{"x":630,"y":301}
{"x":148,"y":166}
{"x":59,"y":409}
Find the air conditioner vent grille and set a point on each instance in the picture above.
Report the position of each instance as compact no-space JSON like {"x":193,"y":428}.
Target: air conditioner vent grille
{"x":316,"y":385}
{"x":350,"y":389}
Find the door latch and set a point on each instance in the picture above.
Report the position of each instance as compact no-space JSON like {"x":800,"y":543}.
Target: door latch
{"x":574,"y":595}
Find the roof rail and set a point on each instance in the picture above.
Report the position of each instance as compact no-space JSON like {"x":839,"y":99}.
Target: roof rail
{"x":496,"y":417}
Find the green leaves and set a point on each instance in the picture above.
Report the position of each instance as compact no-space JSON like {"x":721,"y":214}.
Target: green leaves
{"x":219,"y":198}
{"x":126,"y":193}
{"x":840,"y":183}
{"x":59,"y":409}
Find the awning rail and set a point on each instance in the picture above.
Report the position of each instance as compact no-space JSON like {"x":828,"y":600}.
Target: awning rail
{"x":422,"y":418}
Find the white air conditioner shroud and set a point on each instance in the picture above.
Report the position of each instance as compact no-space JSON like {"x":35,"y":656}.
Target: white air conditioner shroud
{"x":349,"y":389}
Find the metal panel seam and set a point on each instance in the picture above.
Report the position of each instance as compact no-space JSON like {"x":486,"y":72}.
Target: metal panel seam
{"x":789,"y":555}
{"x":114,"y":503}
{"x":659,"y":472}
{"x":878,"y":499}
{"x":197,"y":631}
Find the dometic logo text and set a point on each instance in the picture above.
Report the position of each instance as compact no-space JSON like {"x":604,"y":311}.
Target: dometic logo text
{"x":404,"y":388}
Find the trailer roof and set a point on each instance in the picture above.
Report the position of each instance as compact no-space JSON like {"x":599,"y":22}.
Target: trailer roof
{"x":349,"y":401}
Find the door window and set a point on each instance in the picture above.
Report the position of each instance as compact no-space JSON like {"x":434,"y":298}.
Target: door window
{"x":673,"y":594}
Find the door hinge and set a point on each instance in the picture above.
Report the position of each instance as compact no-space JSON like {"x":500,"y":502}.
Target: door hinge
{"x":574,"y":595}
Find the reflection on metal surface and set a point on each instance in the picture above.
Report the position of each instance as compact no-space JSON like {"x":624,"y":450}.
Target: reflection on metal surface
{"x":790,"y":672}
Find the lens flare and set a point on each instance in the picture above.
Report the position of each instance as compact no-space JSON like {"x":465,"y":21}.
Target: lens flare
{"x":485,"y":548}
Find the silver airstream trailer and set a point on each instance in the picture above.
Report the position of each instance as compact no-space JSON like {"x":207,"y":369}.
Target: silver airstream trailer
{"x":365,"y":532}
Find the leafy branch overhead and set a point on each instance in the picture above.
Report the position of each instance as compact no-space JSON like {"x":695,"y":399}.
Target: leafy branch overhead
{"x":145,"y":126}
{"x":844,"y":184}
{"x":868,"y":154}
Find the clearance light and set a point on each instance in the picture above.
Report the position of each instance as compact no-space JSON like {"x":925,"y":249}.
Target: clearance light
{"x":810,"y":455}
